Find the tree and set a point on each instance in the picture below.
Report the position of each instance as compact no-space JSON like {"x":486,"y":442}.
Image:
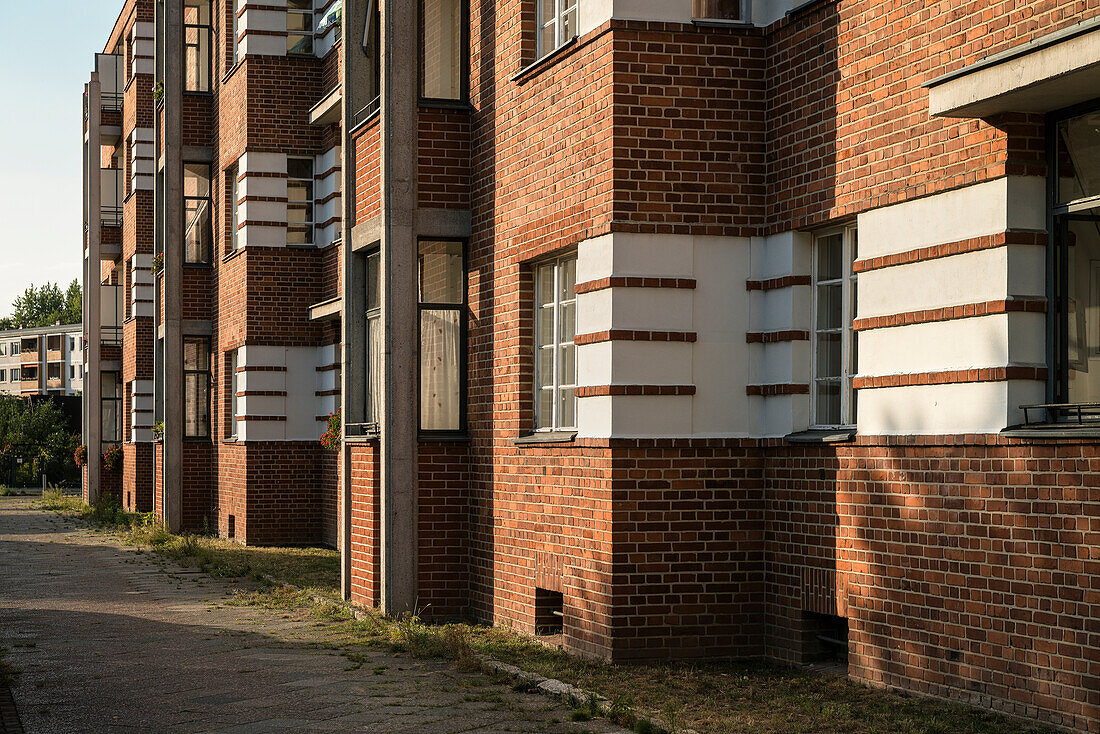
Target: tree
{"x":36,"y":431}
{"x":45,"y":305}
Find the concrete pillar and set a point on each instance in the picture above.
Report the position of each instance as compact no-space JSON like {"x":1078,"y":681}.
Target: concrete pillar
{"x":171,"y":219}
{"x":93,"y":405}
{"x":400,"y":394}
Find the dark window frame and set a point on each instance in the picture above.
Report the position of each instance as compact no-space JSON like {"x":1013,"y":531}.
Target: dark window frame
{"x":209,"y":29}
{"x":117,"y":439}
{"x":1058,"y":216}
{"x":312,"y":32}
{"x":209,"y":198}
{"x":463,"y":327}
{"x":370,"y":314}
{"x":209,"y":398}
{"x":463,"y":99}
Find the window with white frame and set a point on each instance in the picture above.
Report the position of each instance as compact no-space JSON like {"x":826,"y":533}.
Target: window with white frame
{"x":14,"y":348}
{"x":556,"y":354}
{"x":717,"y":9}
{"x":299,"y":26}
{"x":234,"y":208}
{"x":557,"y":24}
{"x":299,"y":204}
{"x":3,"y":350}
{"x":3,"y":375}
{"x":834,"y":343}
{"x":235,"y":29}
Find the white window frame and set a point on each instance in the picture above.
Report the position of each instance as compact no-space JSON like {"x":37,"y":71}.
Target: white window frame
{"x":555,"y":386}
{"x":848,"y":347}
{"x":561,"y":9}
{"x":236,"y":30}
{"x":234,"y":208}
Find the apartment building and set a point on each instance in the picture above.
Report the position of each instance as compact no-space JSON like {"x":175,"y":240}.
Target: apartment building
{"x":695,"y":329}
{"x":47,"y":360}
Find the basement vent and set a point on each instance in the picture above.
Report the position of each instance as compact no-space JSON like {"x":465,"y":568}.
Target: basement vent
{"x":232,"y":532}
{"x":549,"y":612}
{"x":825,"y":639}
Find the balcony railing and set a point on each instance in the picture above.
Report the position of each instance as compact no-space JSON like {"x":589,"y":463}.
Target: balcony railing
{"x":111,"y":80}
{"x":111,"y":196}
{"x":111,"y":315}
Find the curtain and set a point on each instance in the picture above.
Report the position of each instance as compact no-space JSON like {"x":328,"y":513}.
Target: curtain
{"x":440,"y":378}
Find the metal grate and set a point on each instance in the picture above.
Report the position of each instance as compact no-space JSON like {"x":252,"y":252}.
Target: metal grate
{"x":1061,"y":413}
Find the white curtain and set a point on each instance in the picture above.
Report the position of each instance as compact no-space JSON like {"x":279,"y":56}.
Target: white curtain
{"x":374,"y":369}
{"x":440,"y":381}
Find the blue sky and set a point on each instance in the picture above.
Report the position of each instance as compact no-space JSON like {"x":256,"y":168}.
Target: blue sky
{"x":45,"y":59}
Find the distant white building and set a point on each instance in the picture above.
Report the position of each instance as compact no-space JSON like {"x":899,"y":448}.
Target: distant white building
{"x":47,"y":360}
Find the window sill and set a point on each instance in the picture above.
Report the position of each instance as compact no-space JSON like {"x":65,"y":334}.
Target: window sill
{"x":545,"y":437}
{"x":443,"y":438}
{"x":450,"y":105}
{"x":230,"y":441}
{"x":233,"y":70}
{"x":821,"y":436}
{"x":544,"y":60}
{"x":1053,"y":431}
{"x":718,"y":23}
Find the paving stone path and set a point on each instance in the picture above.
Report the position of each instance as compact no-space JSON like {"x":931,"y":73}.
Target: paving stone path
{"x":111,"y":639}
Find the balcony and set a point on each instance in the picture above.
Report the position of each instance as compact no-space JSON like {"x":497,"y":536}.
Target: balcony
{"x":55,"y":349}
{"x":111,"y":315}
{"x":29,"y":351}
{"x":111,"y":194}
{"x":29,"y":380}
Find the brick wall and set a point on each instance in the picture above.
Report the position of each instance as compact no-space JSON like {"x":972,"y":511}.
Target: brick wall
{"x":365,"y":551}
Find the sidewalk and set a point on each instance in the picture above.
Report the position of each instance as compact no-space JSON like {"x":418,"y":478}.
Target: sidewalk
{"x":110,"y":639}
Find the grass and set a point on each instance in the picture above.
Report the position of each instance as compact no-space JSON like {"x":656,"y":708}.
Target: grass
{"x":713,"y":698}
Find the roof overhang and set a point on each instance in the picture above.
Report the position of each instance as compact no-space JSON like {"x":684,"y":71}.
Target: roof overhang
{"x":1052,"y":72}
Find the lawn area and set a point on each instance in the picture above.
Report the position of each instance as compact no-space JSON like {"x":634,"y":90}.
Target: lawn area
{"x":713,"y":698}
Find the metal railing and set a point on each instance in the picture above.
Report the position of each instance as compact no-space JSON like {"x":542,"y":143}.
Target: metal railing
{"x":368,"y":112}
{"x":1062,"y":413}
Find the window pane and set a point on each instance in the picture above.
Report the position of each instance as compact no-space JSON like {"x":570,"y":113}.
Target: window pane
{"x":374,"y":369}
{"x":545,"y":285}
{"x":196,"y":409}
{"x":546,"y":365}
{"x":1079,"y":157}
{"x":718,"y":9}
{"x":196,"y":354}
{"x":830,"y":306}
{"x":568,"y":26}
{"x":442,"y":66}
{"x":828,"y":355}
{"x":440,"y":378}
{"x":374,"y":299}
{"x":546,"y":408}
{"x":828,"y":403}
{"x":567,"y":366}
{"x":547,"y":9}
{"x":567,"y":409}
{"x":197,"y":231}
{"x":546,"y":326}
{"x":440,"y":272}
{"x":568,"y":323}
{"x":830,"y":257}
{"x":567,"y":281}
{"x":1083,"y":311}
{"x":546,"y":39}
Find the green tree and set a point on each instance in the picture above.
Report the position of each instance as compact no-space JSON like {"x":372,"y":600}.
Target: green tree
{"x":36,"y":431}
{"x":45,"y":305}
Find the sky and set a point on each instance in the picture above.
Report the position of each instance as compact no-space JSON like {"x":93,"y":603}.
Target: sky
{"x":45,"y":60}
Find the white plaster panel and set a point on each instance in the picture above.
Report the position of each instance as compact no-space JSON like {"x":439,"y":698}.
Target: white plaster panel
{"x":779,"y":415}
{"x":786,"y":253}
{"x":256,"y":19}
{"x":262,"y":211}
{"x":637,"y":416}
{"x":252,"y":162}
{"x":301,"y":400}
{"x":142,"y":135}
{"x":252,"y":405}
{"x":143,"y":29}
{"x":262,"y":186}
{"x":654,"y":309}
{"x":325,"y":236}
{"x":142,"y":66}
{"x":720,"y":406}
{"x":766,"y":12}
{"x":261,"y":431}
{"x":983,"y":209}
{"x":979,"y":407}
{"x":265,"y":381}
{"x":137,"y":435}
{"x":595,"y":258}
{"x":987,"y":341}
{"x":664,"y":256}
{"x":258,"y":236}
{"x":972,"y":277}
{"x":635,"y":363}
{"x":323,"y":43}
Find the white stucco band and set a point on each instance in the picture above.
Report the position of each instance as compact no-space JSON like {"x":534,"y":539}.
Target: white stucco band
{"x":1011,"y":203}
{"x":594,"y":13}
{"x":978,"y":407}
{"x":1049,"y":73}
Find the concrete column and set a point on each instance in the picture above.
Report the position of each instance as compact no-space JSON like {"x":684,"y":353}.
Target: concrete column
{"x":93,"y":312}
{"x":171,"y":51}
{"x":400,"y":398}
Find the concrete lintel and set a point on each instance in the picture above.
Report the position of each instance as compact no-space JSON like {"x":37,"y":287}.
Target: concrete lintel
{"x":329,"y":309}
{"x":448,"y":223}
{"x":1050,"y":73}
{"x":366,"y":235}
{"x":110,"y":253}
{"x":327,"y":111}
{"x":196,"y":327}
{"x":198,"y":153}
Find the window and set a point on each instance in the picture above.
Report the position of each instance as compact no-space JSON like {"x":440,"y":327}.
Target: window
{"x":717,"y":9}
{"x":441,"y":274}
{"x":299,"y":26}
{"x":234,"y":28}
{"x":3,"y":350}
{"x":196,"y":387}
{"x":234,"y":208}
{"x":72,"y":372}
{"x":53,"y":371}
{"x":234,"y":388}
{"x":72,"y":344}
{"x":196,"y":45}
{"x":299,"y":205}
{"x":110,"y":398}
{"x":555,"y":331}
{"x":557,"y":24}
{"x":1075,"y":267}
{"x":3,"y":375}
{"x":14,"y":348}
{"x":53,"y":343}
{"x":373,"y":412}
{"x":442,"y":67}
{"x":834,"y":346}
{"x":197,"y":228}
